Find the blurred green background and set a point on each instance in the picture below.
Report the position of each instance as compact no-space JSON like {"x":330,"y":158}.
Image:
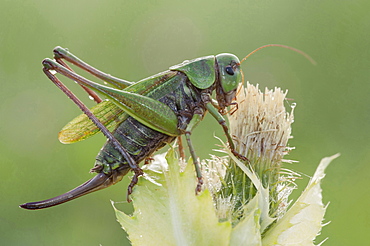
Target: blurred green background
{"x":136,"y":39}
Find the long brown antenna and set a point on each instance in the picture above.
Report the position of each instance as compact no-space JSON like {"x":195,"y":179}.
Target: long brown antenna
{"x":283,"y":46}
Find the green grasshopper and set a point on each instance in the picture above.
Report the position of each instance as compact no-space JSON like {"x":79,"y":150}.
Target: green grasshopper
{"x":145,"y":115}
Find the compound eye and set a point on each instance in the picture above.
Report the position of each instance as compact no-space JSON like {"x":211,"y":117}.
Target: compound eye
{"x":229,"y":70}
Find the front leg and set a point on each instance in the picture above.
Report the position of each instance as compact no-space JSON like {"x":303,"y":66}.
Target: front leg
{"x":221,"y":120}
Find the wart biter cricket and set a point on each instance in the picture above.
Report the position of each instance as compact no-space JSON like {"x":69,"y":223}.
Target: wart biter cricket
{"x":145,"y":115}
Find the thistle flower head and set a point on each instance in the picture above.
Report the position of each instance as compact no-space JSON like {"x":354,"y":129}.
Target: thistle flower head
{"x":261,"y":128}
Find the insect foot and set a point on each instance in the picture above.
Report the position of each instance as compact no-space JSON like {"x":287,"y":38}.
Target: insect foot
{"x":199,"y":185}
{"x":137,"y":173}
{"x":240,"y":156}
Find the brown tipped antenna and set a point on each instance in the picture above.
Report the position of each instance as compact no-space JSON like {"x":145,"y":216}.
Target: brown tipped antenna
{"x":283,"y":46}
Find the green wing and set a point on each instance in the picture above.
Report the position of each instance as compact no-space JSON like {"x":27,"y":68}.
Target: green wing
{"x":81,"y":127}
{"x":109,"y":113}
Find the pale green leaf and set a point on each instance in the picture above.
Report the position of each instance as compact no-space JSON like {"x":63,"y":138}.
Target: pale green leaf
{"x":303,"y":221}
{"x":167,"y":212}
{"x":247,"y":232}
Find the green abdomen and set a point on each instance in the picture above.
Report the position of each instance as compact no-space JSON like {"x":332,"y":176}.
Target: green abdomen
{"x":138,"y":140}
